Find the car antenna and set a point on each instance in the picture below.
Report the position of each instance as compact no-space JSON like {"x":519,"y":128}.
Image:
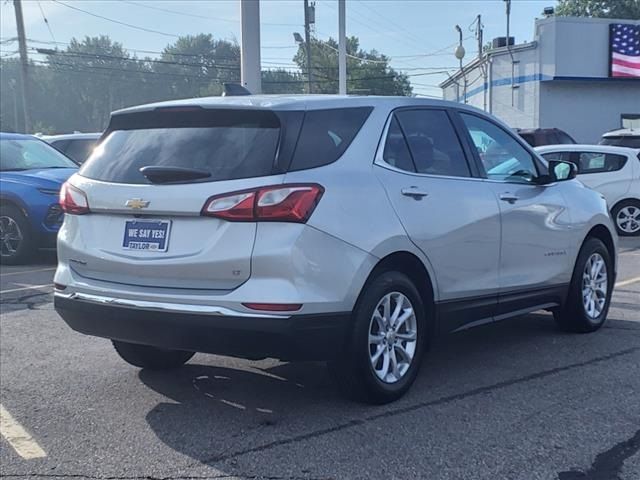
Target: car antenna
{"x":234,"y":90}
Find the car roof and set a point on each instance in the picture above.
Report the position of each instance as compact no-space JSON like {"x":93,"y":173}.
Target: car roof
{"x":293,"y":102}
{"x":622,"y":132}
{"x":587,"y":148}
{"x":71,"y":136}
{"x":15,"y":136}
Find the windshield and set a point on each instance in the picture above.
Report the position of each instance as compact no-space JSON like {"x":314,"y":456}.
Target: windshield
{"x":31,"y":154}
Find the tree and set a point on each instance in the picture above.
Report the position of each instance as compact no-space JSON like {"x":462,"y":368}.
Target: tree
{"x":282,"y":81}
{"x":624,"y":9}
{"x":199,"y":65}
{"x":367,"y":72}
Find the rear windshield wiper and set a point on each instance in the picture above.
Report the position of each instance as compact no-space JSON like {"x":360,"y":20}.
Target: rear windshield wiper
{"x":173,"y":174}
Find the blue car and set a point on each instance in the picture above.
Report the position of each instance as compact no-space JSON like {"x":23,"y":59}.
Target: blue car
{"x":31,"y":174}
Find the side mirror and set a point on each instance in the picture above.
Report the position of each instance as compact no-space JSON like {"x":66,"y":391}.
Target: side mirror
{"x":560,"y":171}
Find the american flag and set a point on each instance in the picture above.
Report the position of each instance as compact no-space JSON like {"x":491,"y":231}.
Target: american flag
{"x":625,"y":50}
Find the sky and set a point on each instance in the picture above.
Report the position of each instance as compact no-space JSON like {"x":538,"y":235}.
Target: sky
{"x":418,"y":35}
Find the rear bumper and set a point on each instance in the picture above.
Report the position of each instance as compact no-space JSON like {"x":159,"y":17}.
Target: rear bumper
{"x":206,"y":329}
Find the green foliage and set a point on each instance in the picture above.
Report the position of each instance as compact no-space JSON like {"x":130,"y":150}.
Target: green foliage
{"x":368,"y":73}
{"x":77,"y":88}
{"x":623,"y":9}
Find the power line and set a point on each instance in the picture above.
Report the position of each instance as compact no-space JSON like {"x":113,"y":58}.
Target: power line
{"x":136,"y":27}
{"x":192,"y":15}
{"x":44,"y":17}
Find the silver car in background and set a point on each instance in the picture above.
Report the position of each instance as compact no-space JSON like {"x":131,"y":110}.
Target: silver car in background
{"x":348,"y":229}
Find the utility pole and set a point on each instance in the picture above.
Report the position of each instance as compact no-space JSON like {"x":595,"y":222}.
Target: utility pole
{"x":307,"y":42}
{"x":251,"y":76}
{"x":342,"y":48}
{"x":479,"y":35}
{"x":24,"y":72}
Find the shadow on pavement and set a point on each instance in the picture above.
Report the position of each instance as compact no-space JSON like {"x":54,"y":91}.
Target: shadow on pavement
{"x":219,"y":413}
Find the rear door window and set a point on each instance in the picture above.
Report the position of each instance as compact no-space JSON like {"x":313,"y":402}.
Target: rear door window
{"x":433,"y":142}
{"x":228,"y":144}
{"x":326,"y":135}
{"x":598,"y":162}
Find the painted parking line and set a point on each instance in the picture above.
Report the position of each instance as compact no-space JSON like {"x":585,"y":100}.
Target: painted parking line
{"x":628,"y":282}
{"x":18,"y":437}
{"x":27,"y":287}
{"x":7,"y":274}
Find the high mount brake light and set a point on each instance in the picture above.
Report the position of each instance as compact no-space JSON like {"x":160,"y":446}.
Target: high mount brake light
{"x":279,"y":203}
{"x":73,"y":200}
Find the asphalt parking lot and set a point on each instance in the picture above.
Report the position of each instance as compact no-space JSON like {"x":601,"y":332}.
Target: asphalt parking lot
{"x":514,"y":400}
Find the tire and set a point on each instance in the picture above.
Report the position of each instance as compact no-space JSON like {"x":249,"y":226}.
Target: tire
{"x":626,"y":217}
{"x":354,"y":371}
{"x":577,"y":314}
{"x":153,"y":358}
{"x":17,"y":244}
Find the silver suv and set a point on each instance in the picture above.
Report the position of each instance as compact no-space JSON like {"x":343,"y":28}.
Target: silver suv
{"x":352,"y":230}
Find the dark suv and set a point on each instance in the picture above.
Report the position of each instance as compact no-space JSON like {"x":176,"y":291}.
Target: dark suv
{"x":537,"y":137}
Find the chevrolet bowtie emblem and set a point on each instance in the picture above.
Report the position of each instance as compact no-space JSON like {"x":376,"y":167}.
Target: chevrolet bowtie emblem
{"x":137,"y":203}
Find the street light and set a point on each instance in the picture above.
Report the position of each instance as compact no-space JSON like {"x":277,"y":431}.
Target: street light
{"x":459,"y":53}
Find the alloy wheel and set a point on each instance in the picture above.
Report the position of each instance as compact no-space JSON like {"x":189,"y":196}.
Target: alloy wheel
{"x":594,"y":286}
{"x":10,"y":236}
{"x":628,"y":219}
{"x":393,"y":334}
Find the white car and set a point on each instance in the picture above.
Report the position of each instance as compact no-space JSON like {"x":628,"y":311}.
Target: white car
{"x":612,"y":171}
{"x":622,"y":137}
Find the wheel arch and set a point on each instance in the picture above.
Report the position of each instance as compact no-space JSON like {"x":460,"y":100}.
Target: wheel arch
{"x":603,"y":234}
{"x":411,"y":265}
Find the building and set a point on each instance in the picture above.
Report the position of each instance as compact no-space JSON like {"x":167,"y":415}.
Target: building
{"x":561,"y":79}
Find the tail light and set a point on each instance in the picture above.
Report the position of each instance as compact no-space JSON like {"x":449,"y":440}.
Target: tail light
{"x":73,"y":200}
{"x":281,"y":203}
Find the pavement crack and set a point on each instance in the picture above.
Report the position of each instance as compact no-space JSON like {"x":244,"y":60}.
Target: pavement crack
{"x":419,"y":406}
{"x":608,"y":464}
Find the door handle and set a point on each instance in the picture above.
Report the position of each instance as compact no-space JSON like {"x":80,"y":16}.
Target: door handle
{"x":509,"y":197}
{"x":414,"y":192}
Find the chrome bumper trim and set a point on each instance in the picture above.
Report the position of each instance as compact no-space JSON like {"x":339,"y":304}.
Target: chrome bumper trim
{"x":164,"y":306}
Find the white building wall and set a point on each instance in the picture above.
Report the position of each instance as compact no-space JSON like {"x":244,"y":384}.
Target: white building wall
{"x":587,"y":109}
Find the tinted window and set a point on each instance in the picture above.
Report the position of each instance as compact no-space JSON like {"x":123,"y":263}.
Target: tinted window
{"x":227,"y":144}
{"x":502,"y":155}
{"x":326,"y":134}
{"x":596,"y":162}
{"x":564,"y":138}
{"x":31,"y":154}
{"x":396,"y":152}
{"x":622,"y":141}
{"x":529,"y":138}
{"x":79,"y":150}
{"x":558,"y":156}
{"x":433,"y":143}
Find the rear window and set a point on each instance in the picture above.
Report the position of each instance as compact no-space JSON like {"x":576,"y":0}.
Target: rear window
{"x":228,"y":144}
{"x":79,"y":150}
{"x":622,"y":141}
{"x":326,"y":134}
